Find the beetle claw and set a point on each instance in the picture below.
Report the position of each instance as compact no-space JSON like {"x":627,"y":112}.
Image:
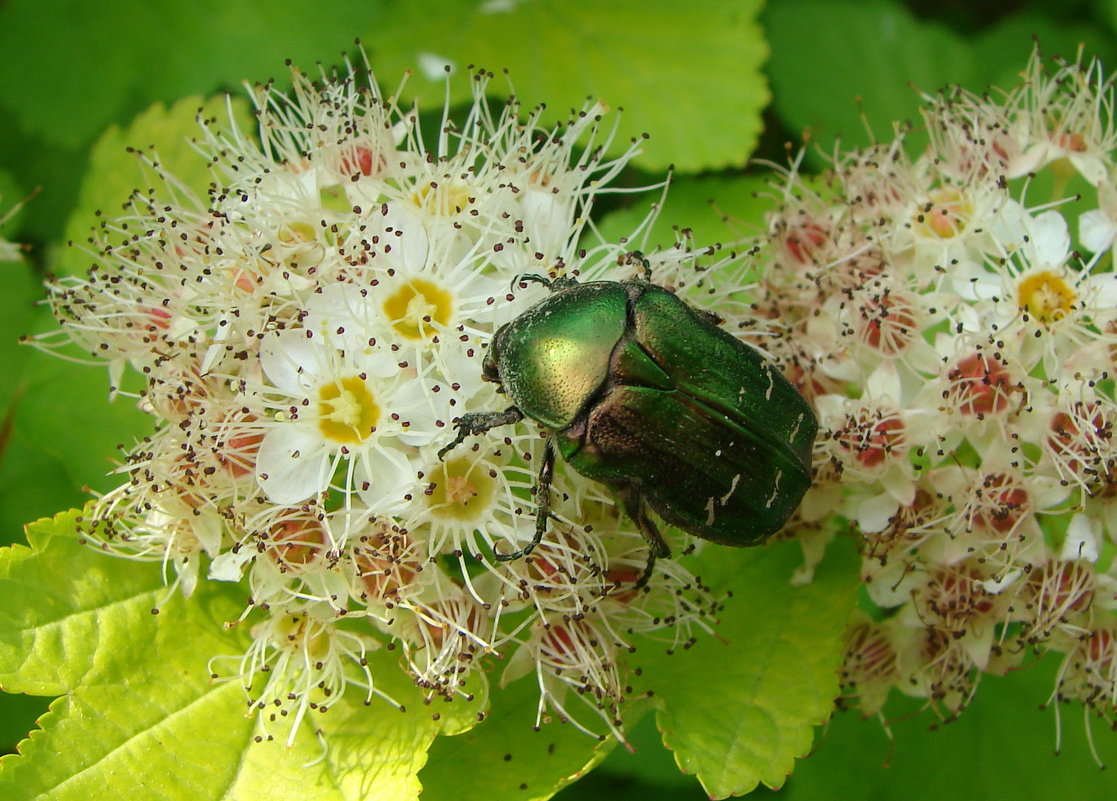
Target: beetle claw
{"x":462,"y":433}
{"x":648,"y":569}
{"x":511,"y":557}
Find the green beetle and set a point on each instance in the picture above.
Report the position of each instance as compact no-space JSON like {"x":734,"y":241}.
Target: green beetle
{"x":648,"y":396}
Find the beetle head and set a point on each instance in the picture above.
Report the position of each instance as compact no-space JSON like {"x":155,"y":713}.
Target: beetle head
{"x":490,"y":367}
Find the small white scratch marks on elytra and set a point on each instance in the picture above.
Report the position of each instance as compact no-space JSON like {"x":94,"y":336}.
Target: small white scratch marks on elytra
{"x":775,"y":489}
{"x":795,"y":429}
{"x":732,"y":488}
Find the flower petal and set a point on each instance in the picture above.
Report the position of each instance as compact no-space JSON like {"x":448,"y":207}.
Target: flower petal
{"x":292,"y":464}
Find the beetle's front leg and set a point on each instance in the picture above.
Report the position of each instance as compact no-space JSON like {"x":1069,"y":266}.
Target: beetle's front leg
{"x":637,"y":258}
{"x":542,"y":504}
{"x":479,"y":423}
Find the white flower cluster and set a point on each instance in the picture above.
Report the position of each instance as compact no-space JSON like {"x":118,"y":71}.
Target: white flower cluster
{"x":307,"y":335}
{"x":958,"y":344}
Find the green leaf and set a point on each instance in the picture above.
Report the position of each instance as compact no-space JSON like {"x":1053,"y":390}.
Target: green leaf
{"x":33,"y":484}
{"x":838,"y":65}
{"x":66,"y":610}
{"x":111,"y":742}
{"x":39,"y":166}
{"x":365,"y":753}
{"x":827,"y":55}
{"x":12,"y":202}
{"x":47,"y":418}
{"x":739,"y":708}
{"x":505,"y":757}
{"x":69,"y":68}
{"x":115,"y":171}
{"x":774,"y":658}
{"x":689,"y":75}
{"x":75,"y":621}
{"x":21,"y":290}
{"x":1108,"y":10}
{"x":36,"y":435}
{"x":648,"y":765}
{"x":1002,"y":746}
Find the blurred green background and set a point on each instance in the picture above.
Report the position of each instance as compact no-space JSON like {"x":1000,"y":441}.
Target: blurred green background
{"x":712,"y":83}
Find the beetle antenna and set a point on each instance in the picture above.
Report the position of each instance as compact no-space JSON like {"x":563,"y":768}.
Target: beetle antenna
{"x":526,"y":278}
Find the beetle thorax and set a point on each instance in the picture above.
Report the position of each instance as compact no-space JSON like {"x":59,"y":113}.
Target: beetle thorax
{"x":555,"y":358}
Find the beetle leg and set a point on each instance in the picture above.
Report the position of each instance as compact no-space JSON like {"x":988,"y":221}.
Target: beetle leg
{"x":648,"y":568}
{"x":542,"y":501}
{"x":710,"y":317}
{"x":479,"y":423}
{"x":637,"y":257}
{"x":636,"y":509}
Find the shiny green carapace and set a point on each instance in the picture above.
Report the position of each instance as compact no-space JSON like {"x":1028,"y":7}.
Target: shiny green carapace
{"x":650,"y":397}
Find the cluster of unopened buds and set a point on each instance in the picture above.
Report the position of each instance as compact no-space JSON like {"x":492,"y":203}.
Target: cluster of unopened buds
{"x":956,"y":333}
{"x":307,"y":335}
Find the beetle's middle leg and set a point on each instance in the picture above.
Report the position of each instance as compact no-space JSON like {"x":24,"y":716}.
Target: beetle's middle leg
{"x":542,"y":504}
{"x":480,"y":422}
{"x":635,"y":507}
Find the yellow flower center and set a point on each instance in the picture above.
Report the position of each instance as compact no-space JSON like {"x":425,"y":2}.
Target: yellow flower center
{"x":1046,"y":296}
{"x":462,"y":490}
{"x":347,"y":412}
{"x":415,"y":305}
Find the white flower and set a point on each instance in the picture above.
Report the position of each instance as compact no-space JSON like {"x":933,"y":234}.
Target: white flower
{"x":473,"y":496}
{"x":334,"y":408}
{"x":950,"y":227}
{"x":871,"y":438}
